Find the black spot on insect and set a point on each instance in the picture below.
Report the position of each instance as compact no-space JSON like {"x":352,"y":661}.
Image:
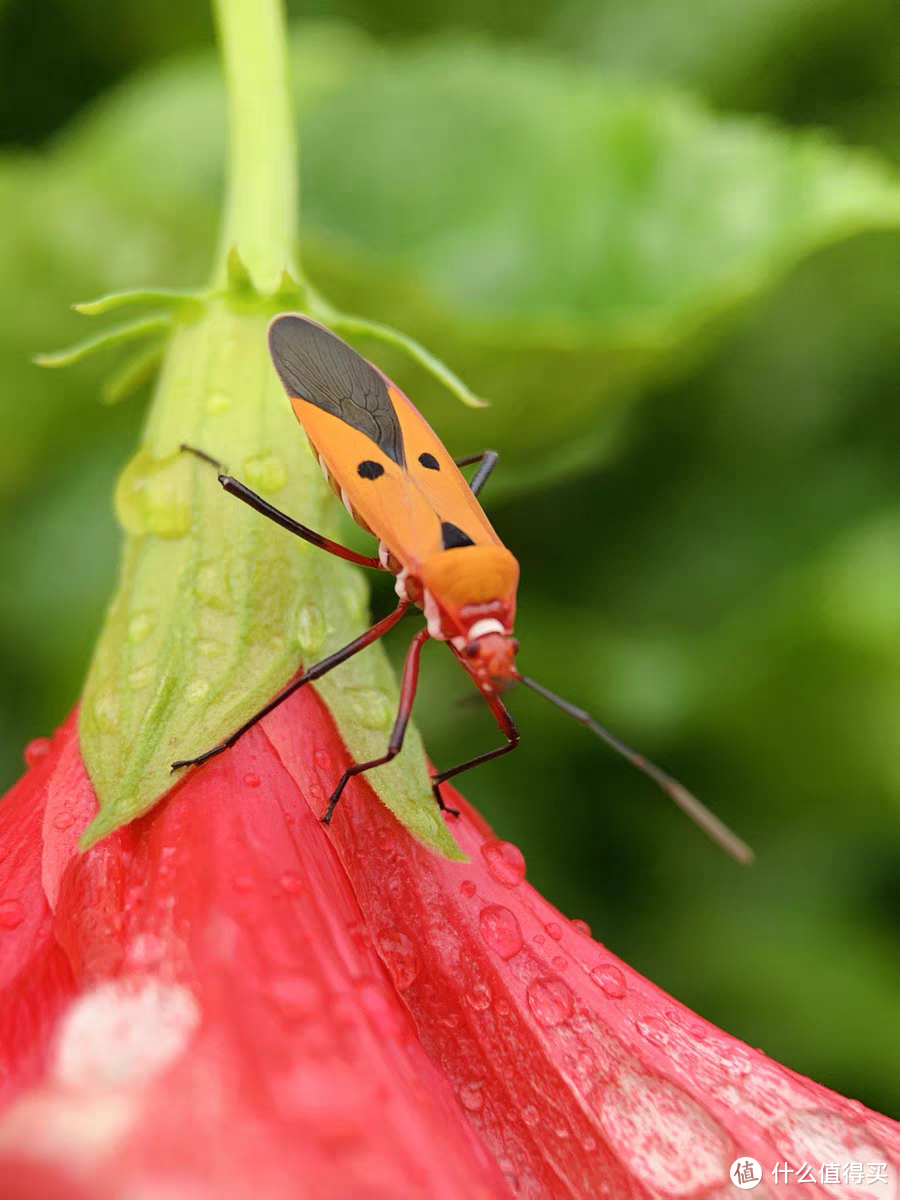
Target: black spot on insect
{"x":429,"y":461}
{"x":454,"y":537}
{"x":368,"y":469}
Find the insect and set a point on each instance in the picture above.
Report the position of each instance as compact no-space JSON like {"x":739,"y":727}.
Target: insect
{"x":400,"y":484}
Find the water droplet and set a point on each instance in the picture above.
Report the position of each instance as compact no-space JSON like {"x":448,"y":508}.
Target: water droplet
{"x":530,"y":1115}
{"x":295,"y":996}
{"x":551,"y":1001}
{"x":63,"y":820}
{"x":153,"y":496}
{"x":468,"y":887}
{"x":217,"y":402}
{"x":252,"y":780}
{"x":479,"y":996}
{"x":106,"y":710}
{"x":539,"y":939}
{"x":553,"y":930}
{"x":610,"y":979}
{"x":559,"y":963}
{"x":196,"y":691}
{"x":323,"y":760}
{"x":400,"y":957}
{"x":666,"y":1140}
{"x":581,"y":926}
{"x":505,"y":862}
{"x":500,"y":929}
{"x":311,"y":628}
{"x":291,"y":883}
{"x":12,"y":913}
{"x":371,"y":706}
{"x":139,"y":627}
{"x":36,"y":749}
{"x":654,"y":1029}
{"x":266,"y":472}
{"x":471,"y":1097}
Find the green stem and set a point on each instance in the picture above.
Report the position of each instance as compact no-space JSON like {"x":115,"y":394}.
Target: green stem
{"x":261,"y":204}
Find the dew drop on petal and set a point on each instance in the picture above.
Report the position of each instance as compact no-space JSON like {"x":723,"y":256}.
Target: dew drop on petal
{"x":252,"y":780}
{"x":36,"y":749}
{"x":400,"y":957}
{"x":559,"y":963}
{"x":551,"y":1001}
{"x":654,"y":1029}
{"x":471,"y":1097}
{"x":63,"y":820}
{"x":553,"y":930}
{"x":666,"y":1140}
{"x":505,"y":862}
{"x":479,"y":996}
{"x":323,"y":760}
{"x":610,"y":979}
{"x":581,"y":926}
{"x":530,"y":1115}
{"x":468,"y":887}
{"x":12,"y":913}
{"x":500,"y":929}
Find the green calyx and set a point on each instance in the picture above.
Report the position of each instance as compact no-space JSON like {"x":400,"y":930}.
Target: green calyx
{"x":216,"y":607}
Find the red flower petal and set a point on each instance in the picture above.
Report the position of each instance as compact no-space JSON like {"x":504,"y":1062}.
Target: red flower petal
{"x":583,"y":1078}
{"x":234,"y":1031}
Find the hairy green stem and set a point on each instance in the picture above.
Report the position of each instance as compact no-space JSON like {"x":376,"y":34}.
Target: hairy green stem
{"x":262,"y":196}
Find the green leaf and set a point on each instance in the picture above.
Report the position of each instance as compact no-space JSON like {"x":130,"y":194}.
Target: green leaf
{"x":217,"y":608}
{"x":118,"y":335}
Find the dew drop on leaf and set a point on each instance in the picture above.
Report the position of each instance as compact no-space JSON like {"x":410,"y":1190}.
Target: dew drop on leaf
{"x":266,"y":472}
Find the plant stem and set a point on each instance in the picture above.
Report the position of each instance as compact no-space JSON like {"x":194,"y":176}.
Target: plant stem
{"x":261,"y":203}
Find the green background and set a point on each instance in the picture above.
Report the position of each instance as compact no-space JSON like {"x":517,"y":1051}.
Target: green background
{"x":695,"y":400}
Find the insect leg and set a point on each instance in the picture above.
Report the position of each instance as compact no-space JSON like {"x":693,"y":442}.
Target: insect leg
{"x":404,"y":712}
{"x":315,"y":672}
{"x":507,"y":726}
{"x":488,"y":460}
{"x":234,"y":487}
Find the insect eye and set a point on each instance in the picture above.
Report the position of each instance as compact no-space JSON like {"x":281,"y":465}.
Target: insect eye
{"x":471,"y":651}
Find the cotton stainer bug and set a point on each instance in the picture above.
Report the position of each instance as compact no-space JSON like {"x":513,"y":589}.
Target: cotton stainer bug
{"x":399,"y":483}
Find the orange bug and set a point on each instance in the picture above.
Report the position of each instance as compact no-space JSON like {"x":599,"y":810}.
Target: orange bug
{"x":399,"y":483}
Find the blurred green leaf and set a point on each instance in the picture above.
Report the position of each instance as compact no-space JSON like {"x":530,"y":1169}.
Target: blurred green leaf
{"x":622,"y":227}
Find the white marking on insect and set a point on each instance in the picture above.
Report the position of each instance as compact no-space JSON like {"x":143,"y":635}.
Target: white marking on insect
{"x":433,"y":617}
{"x":400,"y":584}
{"x":488,"y":625}
{"x":346,"y":502}
{"x":383,"y":554}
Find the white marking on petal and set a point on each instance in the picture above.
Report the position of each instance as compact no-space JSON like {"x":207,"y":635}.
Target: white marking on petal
{"x":123,"y":1034}
{"x":488,"y":625}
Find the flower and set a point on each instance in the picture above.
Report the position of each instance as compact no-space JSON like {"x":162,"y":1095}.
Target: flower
{"x":225,"y":998}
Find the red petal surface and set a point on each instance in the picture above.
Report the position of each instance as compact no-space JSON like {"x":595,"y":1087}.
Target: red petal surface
{"x":197,"y":1008}
{"x":582,"y":1078}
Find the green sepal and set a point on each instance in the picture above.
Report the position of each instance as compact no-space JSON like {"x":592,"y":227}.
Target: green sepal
{"x":216,"y":607}
{"x":159,"y":297}
{"x":117,"y":336}
{"x":415,"y":350}
{"x":239,"y":280}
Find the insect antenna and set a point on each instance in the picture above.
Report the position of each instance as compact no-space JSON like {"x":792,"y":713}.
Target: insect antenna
{"x":689,"y":804}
